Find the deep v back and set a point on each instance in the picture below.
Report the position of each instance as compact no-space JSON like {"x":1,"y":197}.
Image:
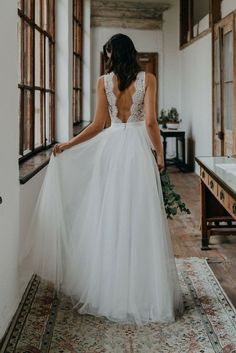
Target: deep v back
{"x":136,"y":98}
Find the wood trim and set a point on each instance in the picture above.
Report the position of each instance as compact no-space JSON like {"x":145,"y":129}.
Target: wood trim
{"x":28,"y":85}
{"x":222,"y":27}
{"x":186,"y":20}
{"x":218,"y":180}
{"x":201,"y":35}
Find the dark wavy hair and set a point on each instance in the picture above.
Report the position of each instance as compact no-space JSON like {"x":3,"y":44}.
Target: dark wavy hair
{"x":123,"y":61}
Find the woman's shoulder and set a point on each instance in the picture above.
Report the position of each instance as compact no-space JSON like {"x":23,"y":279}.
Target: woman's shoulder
{"x":150,"y":76}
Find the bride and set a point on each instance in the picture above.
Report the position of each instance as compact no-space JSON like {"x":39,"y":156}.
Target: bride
{"x":99,"y":230}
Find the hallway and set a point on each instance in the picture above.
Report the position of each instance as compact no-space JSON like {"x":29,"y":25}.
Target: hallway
{"x":51,"y":59}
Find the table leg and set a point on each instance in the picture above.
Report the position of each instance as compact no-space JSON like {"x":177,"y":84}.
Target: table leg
{"x":183,"y":149}
{"x":205,"y":239}
{"x":177,"y":148}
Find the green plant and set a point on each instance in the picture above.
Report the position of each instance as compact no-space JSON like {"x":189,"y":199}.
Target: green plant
{"x":172,"y":200}
{"x":173,"y":116}
{"x":163,"y":118}
{"x":168,"y":116}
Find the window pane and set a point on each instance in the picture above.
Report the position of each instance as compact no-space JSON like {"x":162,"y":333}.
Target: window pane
{"x":19,"y":4}
{"x":38,"y":12}
{"x":217,"y":106}
{"x":217,"y":60}
{"x":47,"y":63}
{"x":38,"y":123}
{"x":19,"y":37}
{"x":228,"y":105}
{"x":45,"y":14}
{"x":228,"y":56}
{"x":28,"y":9}
{"x":48,"y":116}
{"x":38,"y":69}
{"x":200,"y":10}
{"x":27,"y":120}
{"x":27,"y":54}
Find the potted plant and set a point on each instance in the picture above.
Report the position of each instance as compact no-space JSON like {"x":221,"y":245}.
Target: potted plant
{"x":163,"y":118}
{"x":173,"y":119}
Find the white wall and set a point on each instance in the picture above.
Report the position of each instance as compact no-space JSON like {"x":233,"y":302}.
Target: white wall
{"x":144,"y":41}
{"x":227,"y":6}
{"x":9,"y":184}
{"x":196,"y":96}
{"x":64,"y":64}
{"x":171,"y":58}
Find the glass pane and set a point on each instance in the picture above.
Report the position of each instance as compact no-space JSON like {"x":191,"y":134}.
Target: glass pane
{"x":217,"y":60}
{"x":45,"y":15}
{"x":78,"y":73}
{"x":74,"y":106}
{"x":78,"y":13}
{"x":79,"y":105}
{"x":38,"y":68}
{"x":38,"y":12}
{"x":19,"y":4}
{"x":74,"y":7}
{"x":47,"y":63}
{"x":48,"y":118}
{"x":27,"y":120}
{"x":27,"y":54}
{"x":51,"y":10}
{"x":78,"y":39}
{"x":228,"y":56}
{"x":19,"y":36}
{"x":217,"y":107}
{"x":200,"y":10}
{"x":74,"y":37}
{"x":28,"y":7}
{"x":37,"y":120}
{"x":228,"y":105}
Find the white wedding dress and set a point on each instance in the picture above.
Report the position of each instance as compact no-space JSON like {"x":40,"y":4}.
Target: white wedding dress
{"x":99,"y":230}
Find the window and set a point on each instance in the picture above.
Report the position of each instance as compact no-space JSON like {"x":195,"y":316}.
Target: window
{"x":77,"y":60}
{"x":224,"y":86}
{"x":196,"y":17}
{"x":36,"y":50}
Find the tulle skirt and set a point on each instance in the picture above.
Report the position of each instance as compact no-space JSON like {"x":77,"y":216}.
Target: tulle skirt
{"x":99,"y":231}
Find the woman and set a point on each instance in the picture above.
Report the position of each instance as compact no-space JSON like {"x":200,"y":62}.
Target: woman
{"x":99,"y":230}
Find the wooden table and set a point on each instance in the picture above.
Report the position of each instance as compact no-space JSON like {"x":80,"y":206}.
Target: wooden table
{"x":218,"y":197}
{"x":179,"y":136}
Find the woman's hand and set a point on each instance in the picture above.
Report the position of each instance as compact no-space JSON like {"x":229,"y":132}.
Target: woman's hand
{"x":60,"y":147}
{"x":160,"y":163}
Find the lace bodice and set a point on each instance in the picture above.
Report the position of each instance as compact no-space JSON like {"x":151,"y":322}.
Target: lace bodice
{"x":137,"y":107}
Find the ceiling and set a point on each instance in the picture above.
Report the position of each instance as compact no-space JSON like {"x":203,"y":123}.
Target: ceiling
{"x":129,"y":13}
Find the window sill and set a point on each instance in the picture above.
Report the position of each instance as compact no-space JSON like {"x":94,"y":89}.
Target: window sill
{"x":78,"y":127}
{"x":193,"y":40}
{"x":33,"y":165}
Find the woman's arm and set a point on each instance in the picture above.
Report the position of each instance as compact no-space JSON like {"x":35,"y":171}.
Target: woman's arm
{"x":98,"y":124}
{"x":151,"y":119}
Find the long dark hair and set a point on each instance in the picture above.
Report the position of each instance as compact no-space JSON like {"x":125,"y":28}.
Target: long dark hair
{"x":123,"y":61}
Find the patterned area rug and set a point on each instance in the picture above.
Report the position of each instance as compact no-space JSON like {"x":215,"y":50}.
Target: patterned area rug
{"x":45,"y":324}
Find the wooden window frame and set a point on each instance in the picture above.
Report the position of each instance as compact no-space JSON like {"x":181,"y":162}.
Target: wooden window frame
{"x":77,"y":62}
{"x":227,"y":24}
{"x":186,"y":21}
{"x":44,"y":27}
